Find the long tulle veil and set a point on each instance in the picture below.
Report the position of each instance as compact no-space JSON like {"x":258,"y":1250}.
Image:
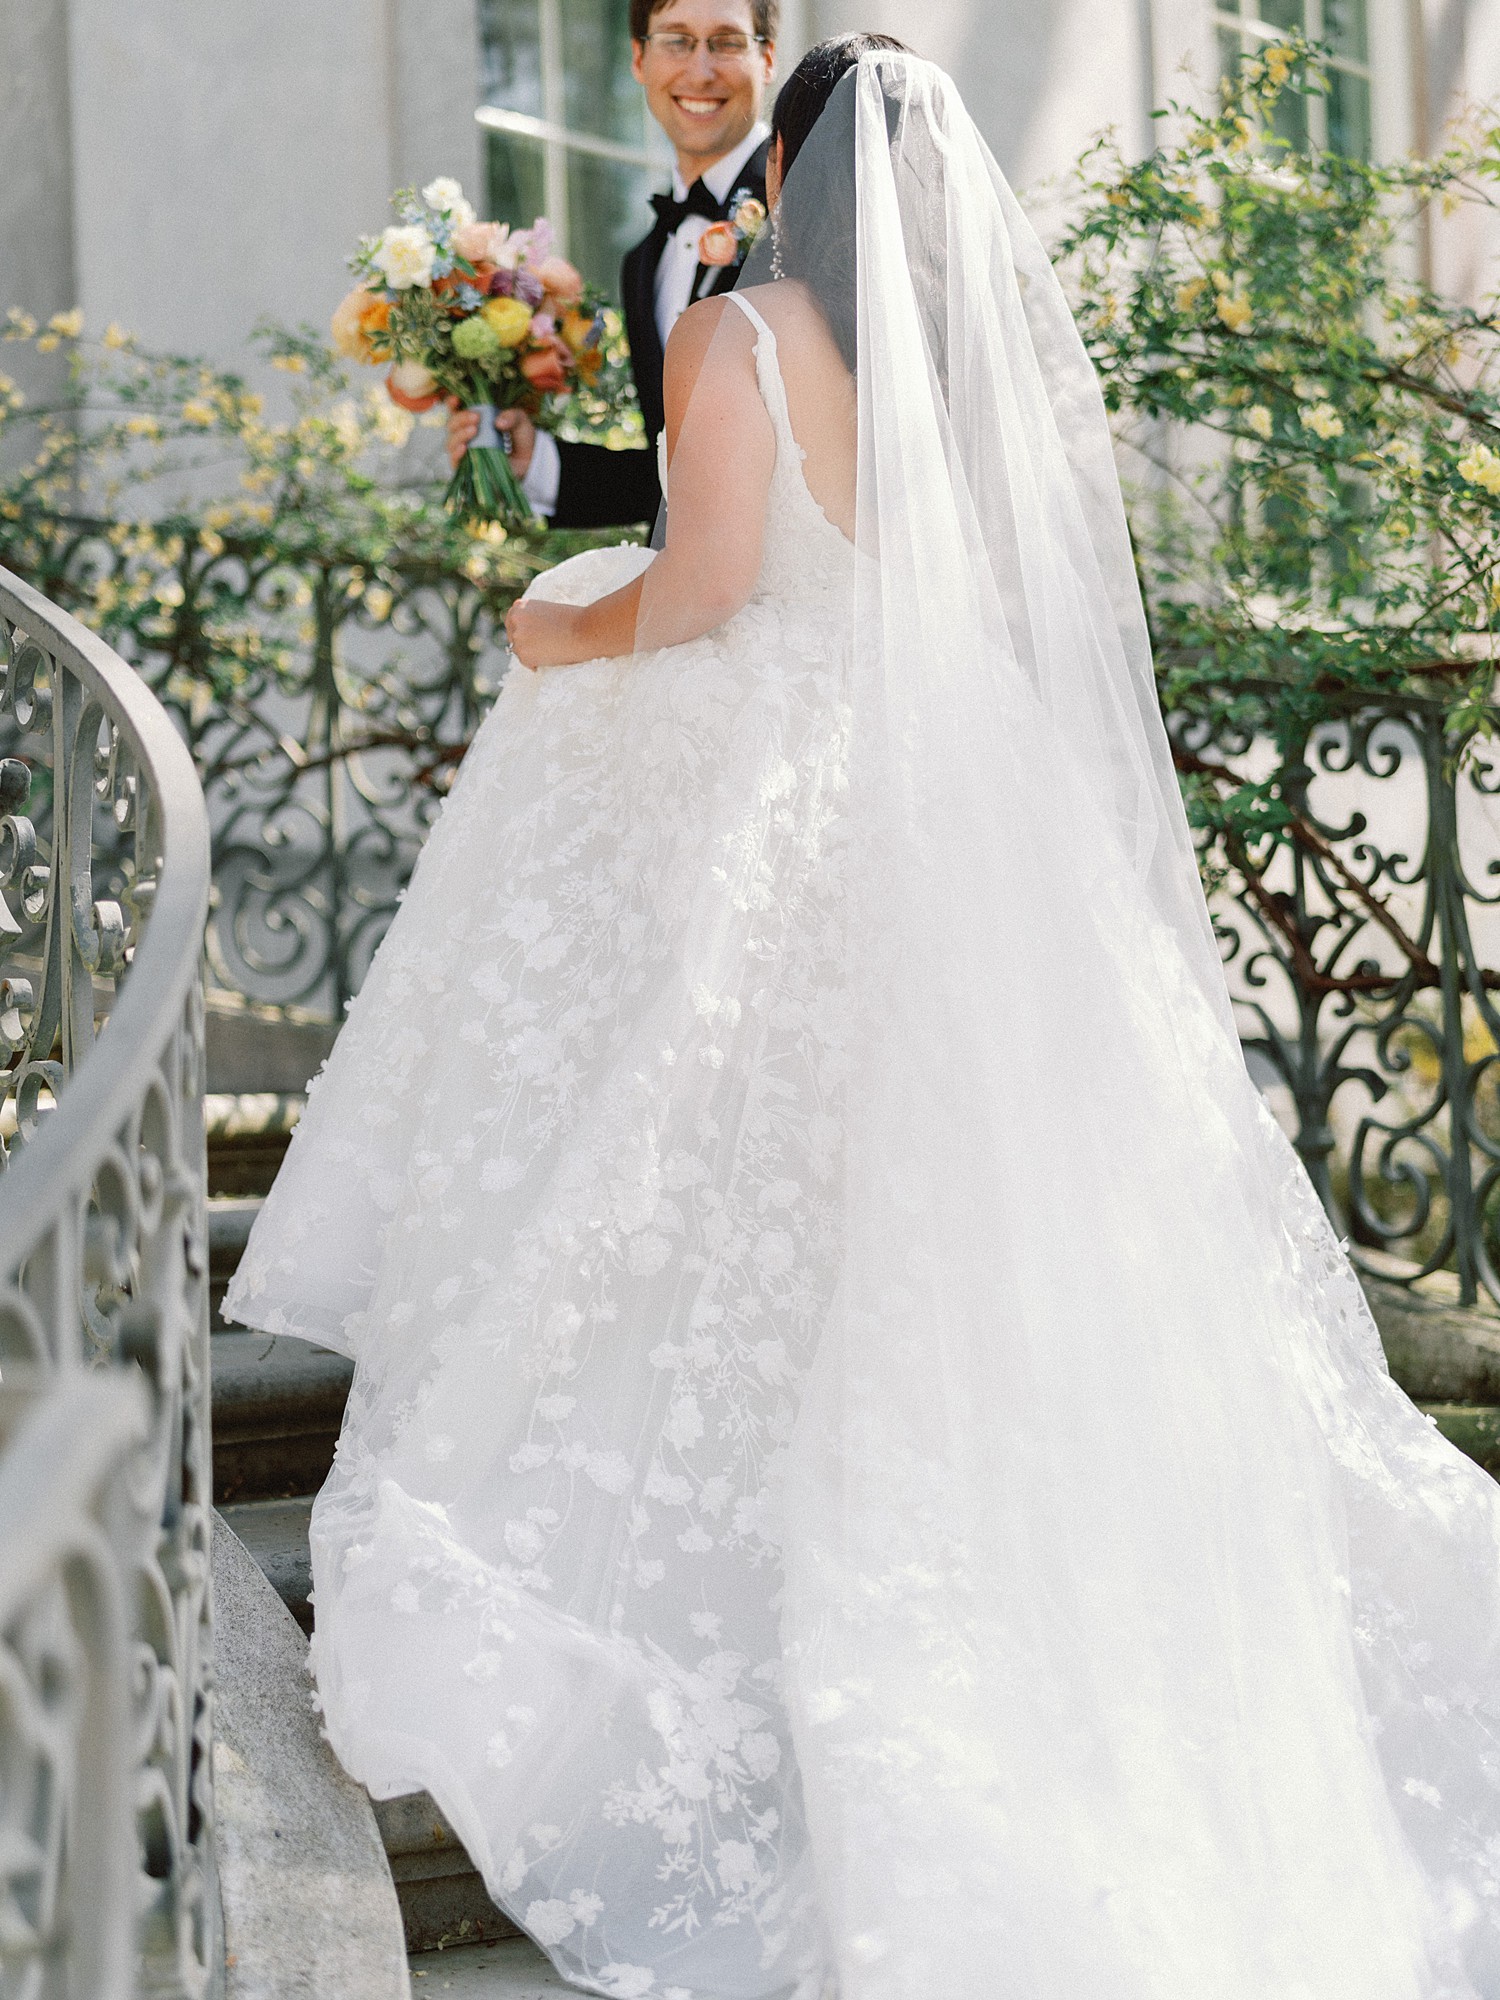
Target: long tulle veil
{"x":1141,"y":1638}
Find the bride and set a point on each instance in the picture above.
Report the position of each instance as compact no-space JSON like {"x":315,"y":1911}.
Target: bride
{"x":867,"y":1470}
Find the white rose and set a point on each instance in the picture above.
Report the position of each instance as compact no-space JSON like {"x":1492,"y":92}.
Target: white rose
{"x":445,"y":194}
{"x":404,"y":257}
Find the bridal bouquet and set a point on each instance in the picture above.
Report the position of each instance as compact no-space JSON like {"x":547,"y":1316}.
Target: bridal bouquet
{"x":475,"y":310}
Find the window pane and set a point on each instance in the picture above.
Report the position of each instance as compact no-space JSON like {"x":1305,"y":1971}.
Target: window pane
{"x":1229,"y":51}
{"x":607,"y":212}
{"x":1289,"y":119}
{"x":1283,"y":14}
{"x":602,"y":96}
{"x":510,"y":55}
{"x":515,"y":179}
{"x":1349,"y":115}
{"x":1344,"y":28}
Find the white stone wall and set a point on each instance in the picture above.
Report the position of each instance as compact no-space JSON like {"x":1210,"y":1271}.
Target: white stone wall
{"x":186,"y":169}
{"x":1042,"y":80}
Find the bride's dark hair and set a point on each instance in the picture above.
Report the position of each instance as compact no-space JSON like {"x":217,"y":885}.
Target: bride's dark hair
{"x":815,"y":217}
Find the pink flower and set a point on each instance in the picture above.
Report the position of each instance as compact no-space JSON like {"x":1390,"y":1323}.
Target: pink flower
{"x":718,"y":244}
{"x":480,"y":242}
{"x":560,"y":279}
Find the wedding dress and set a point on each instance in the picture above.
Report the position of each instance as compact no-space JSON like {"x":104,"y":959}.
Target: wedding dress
{"x":867,"y":1469}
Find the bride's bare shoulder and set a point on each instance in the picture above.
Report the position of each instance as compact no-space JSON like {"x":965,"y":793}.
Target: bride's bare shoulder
{"x":710,"y":335}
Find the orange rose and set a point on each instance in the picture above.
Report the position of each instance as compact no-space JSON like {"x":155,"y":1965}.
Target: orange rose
{"x":357,"y":325}
{"x":411,"y":386}
{"x":718,"y":244}
{"x":544,"y":370}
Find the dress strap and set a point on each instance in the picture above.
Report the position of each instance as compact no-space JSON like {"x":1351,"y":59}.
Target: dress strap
{"x":768,"y":374}
{"x":739,"y":299}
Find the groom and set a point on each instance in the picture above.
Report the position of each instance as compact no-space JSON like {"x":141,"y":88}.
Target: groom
{"x":705,"y":66}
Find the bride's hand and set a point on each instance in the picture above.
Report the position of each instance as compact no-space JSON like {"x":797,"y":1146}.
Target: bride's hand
{"x":544,"y":635}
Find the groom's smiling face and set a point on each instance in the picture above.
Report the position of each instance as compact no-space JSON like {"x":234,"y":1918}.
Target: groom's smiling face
{"x":705,"y":104}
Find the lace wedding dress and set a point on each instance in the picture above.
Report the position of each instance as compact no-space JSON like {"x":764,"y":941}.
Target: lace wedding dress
{"x":867,"y":1469}
{"x":578,"y":1146}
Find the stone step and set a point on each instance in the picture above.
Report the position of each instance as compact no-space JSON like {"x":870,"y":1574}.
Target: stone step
{"x":443,"y":1900}
{"x":1474,"y":1428}
{"x":229,"y":1222}
{"x":275,"y":1533}
{"x":511,"y":1970}
{"x":248,"y":1134}
{"x":277,"y":1407}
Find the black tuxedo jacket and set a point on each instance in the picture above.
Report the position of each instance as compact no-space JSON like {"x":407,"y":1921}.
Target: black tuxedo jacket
{"x":617,"y":489}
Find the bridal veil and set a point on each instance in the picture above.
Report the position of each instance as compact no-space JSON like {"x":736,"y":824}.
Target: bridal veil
{"x":1141,"y":1638}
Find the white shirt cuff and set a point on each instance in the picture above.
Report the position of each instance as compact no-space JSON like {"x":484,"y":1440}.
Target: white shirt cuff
{"x":544,"y":475}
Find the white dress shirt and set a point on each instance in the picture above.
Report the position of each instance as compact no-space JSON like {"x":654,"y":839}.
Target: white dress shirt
{"x":674,"y":294}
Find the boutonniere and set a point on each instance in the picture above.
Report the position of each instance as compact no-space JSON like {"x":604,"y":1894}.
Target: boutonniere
{"x":731,"y":241}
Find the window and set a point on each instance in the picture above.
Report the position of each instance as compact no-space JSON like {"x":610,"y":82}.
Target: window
{"x":567,"y":132}
{"x":1341,"y":121}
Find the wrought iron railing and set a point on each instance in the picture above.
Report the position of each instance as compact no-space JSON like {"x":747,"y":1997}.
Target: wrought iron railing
{"x":1362,"y":959}
{"x":104,"y":1440}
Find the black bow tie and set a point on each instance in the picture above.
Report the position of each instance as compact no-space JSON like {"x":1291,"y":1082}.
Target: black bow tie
{"x":698,"y":201}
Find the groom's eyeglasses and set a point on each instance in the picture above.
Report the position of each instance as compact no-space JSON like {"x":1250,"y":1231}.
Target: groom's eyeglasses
{"x":723,"y":48}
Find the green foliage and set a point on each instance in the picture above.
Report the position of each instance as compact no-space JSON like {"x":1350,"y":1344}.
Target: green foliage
{"x":1319,"y":522}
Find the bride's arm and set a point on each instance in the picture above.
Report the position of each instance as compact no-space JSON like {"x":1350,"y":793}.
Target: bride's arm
{"x":721,"y":451}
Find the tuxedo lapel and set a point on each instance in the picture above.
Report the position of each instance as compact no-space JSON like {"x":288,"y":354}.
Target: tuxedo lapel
{"x":638,"y":301}
{"x":638,"y":296}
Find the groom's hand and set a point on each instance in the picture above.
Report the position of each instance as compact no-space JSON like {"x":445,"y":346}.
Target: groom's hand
{"x":463,"y":424}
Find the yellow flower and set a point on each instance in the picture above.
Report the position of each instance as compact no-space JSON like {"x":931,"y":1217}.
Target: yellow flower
{"x":1323,"y":419}
{"x":345,"y":420}
{"x":1480,"y":466}
{"x":393,"y":426}
{"x":169,"y":593}
{"x":211,"y":543}
{"x":1259,"y":420}
{"x":144,"y":427}
{"x":196,"y":411}
{"x":68,"y":324}
{"x":1189,"y":294}
{"x":289,"y":364}
{"x":19,"y":325}
{"x":1234,"y":309}
{"x":48,"y":342}
{"x":115,"y":335}
{"x":215,"y":518}
{"x":509,"y":320}
{"x":1279,"y":60}
{"x":378,"y":602}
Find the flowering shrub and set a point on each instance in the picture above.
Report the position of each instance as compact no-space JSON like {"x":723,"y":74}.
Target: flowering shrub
{"x":158,"y":501}
{"x":1322,"y":520}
